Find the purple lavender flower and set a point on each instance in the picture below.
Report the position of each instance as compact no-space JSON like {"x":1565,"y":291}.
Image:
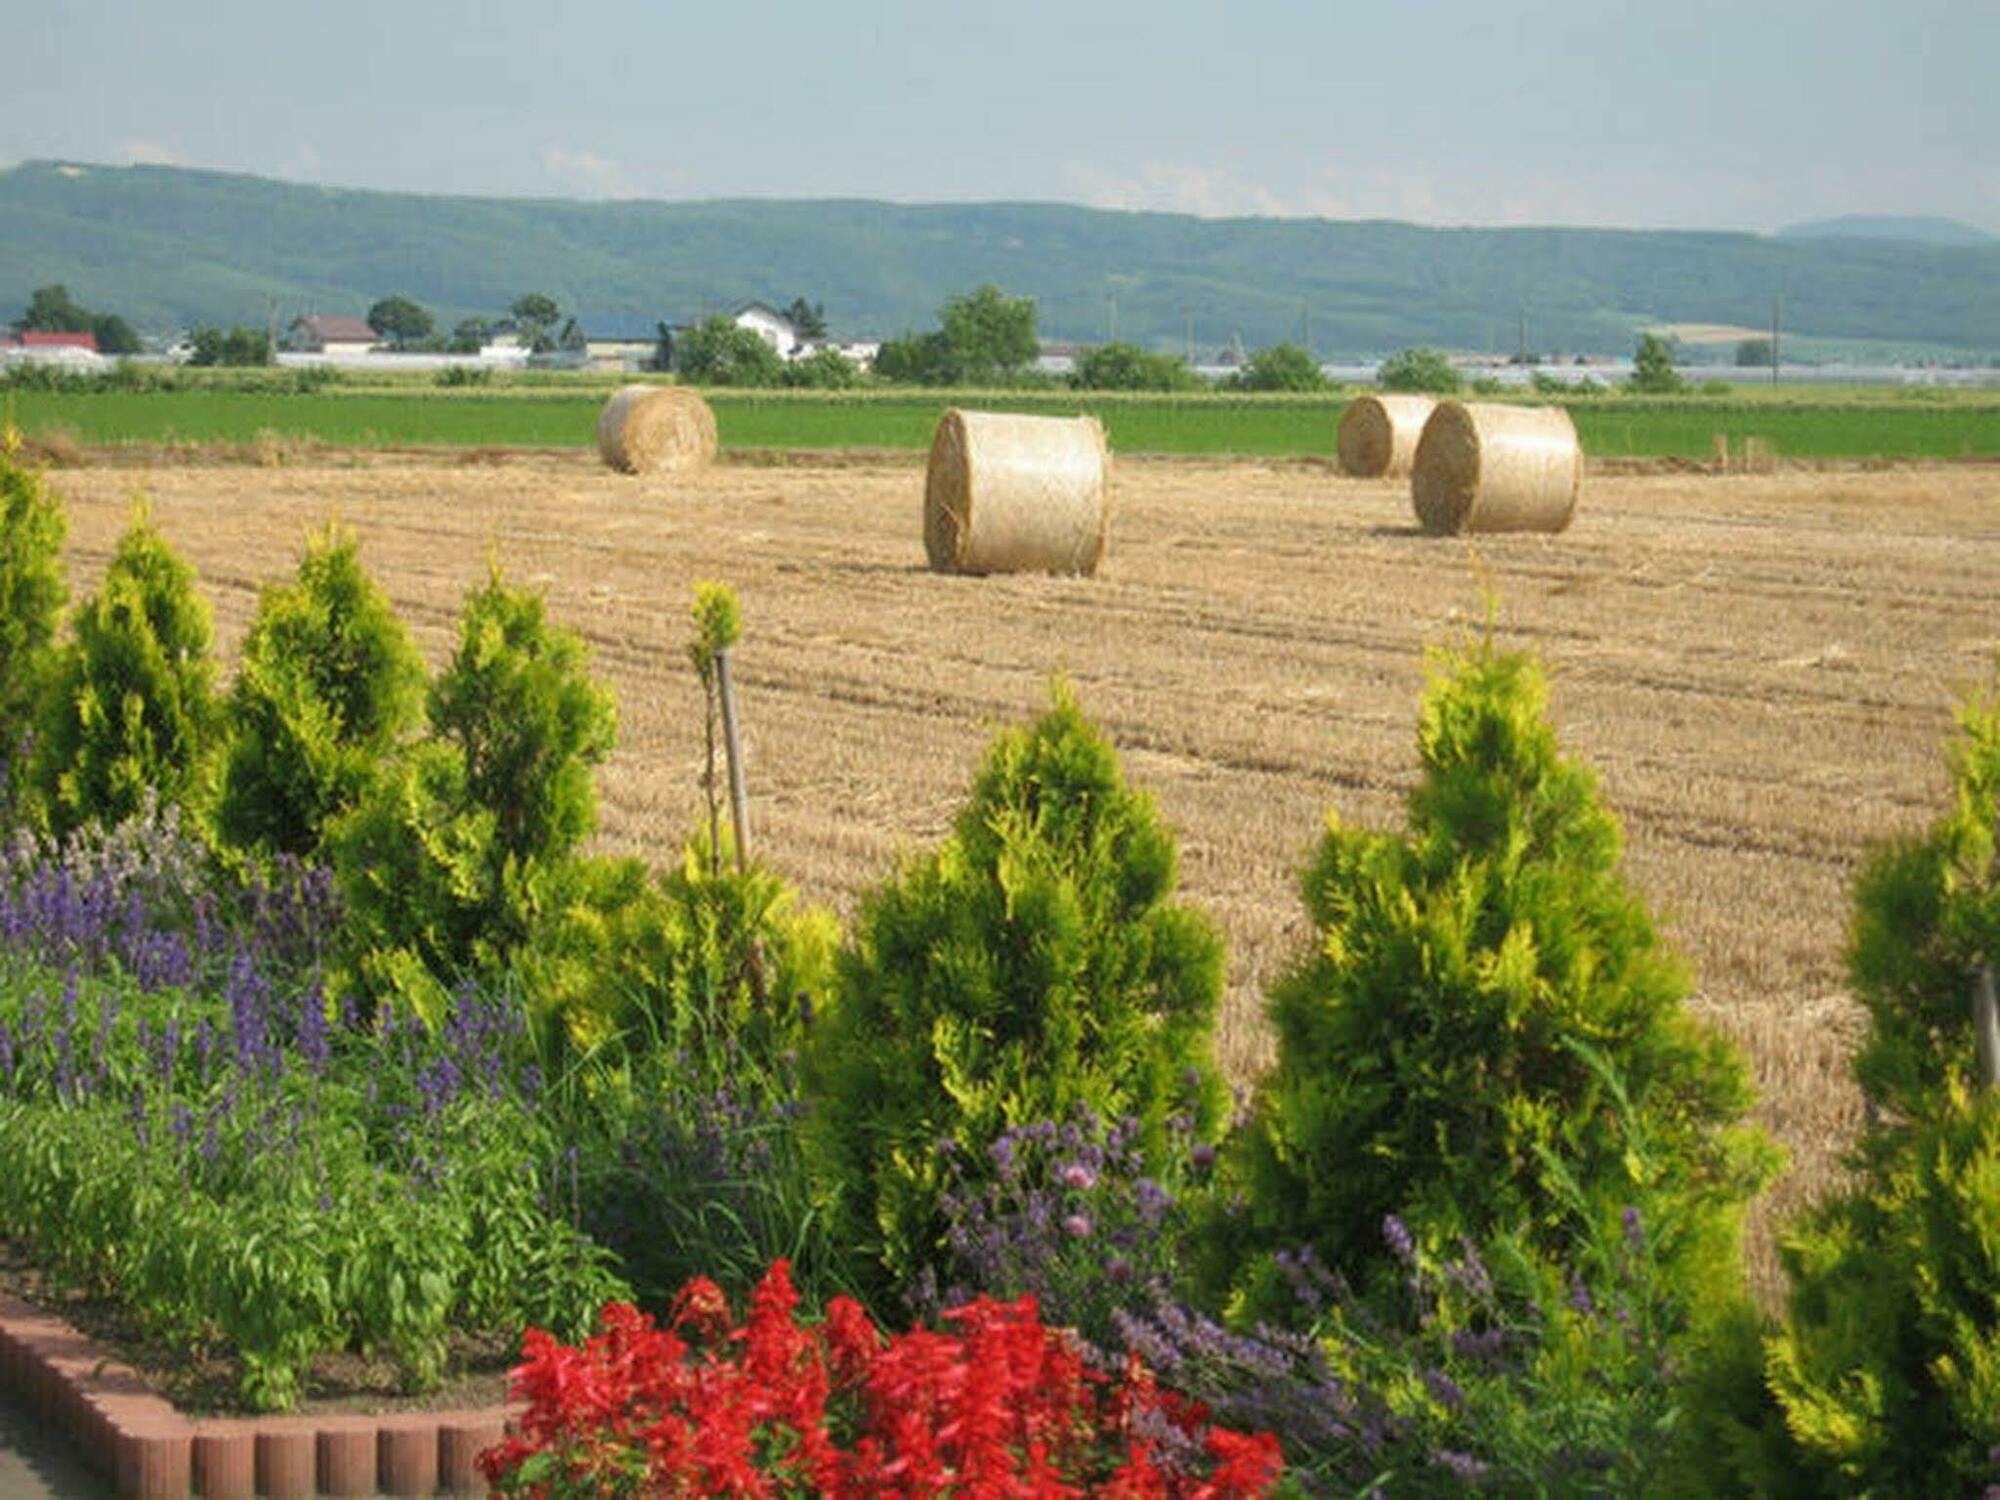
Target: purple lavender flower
{"x":1580,"y":1299}
{"x":1635,"y":1229}
{"x":1444,"y":1390}
{"x":1461,"y":1466}
{"x":1401,"y":1245}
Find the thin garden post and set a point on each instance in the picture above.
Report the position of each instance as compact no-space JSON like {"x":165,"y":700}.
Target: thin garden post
{"x":739,"y":797}
{"x":1986,"y":1025}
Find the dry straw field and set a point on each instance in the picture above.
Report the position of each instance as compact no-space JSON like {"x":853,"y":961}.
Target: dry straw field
{"x":1760,"y":667}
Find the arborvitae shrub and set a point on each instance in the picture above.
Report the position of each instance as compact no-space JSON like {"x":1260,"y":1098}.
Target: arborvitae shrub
{"x":1888,"y":1367}
{"x":1484,"y":1024}
{"x":448,"y":864}
{"x":32,"y":592}
{"x":717,"y":966}
{"x":518,"y":702}
{"x":328,"y":689}
{"x":1034,"y":963}
{"x":131,"y":705}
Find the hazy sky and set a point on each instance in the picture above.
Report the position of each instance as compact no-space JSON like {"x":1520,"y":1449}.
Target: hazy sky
{"x":1700,"y":113}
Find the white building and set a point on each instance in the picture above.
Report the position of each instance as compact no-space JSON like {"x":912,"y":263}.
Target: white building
{"x":770,"y":325}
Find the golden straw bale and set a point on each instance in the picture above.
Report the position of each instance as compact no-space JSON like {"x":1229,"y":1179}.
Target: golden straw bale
{"x":1013,"y":494}
{"x":649,"y":429}
{"x":1488,"y":467}
{"x":1378,"y":434}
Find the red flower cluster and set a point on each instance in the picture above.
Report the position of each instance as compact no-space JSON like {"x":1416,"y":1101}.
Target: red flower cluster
{"x":994,"y":1406}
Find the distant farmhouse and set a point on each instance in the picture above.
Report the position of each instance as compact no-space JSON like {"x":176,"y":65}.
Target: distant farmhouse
{"x":777,"y":330}
{"x":328,"y":334}
{"x":68,"y":351}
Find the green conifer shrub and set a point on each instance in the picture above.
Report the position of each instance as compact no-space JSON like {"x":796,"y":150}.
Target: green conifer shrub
{"x":329,"y":688}
{"x":1887,"y":1368}
{"x":1034,"y":963}
{"x":1483,"y":1026}
{"x":447,"y":865}
{"x":32,"y":593}
{"x":131,"y":705}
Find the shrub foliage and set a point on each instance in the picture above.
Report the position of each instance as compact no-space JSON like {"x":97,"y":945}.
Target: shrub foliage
{"x":1486,"y":1021}
{"x":329,"y":687}
{"x":1033,"y":964}
{"x":32,"y":589}
{"x":132,"y":705}
{"x":1888,"y":1367}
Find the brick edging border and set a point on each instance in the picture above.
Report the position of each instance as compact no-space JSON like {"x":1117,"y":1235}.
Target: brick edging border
{"x":128,"y":1433}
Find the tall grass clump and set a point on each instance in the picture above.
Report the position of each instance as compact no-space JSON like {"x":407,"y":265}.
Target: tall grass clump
{"x":131,"y":706}
{"x":329,"y":688}
{"x":1034,"y":964}
{"x":1486,"y":1036}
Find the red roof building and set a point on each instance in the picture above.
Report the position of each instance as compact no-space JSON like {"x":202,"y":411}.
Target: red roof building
{"x":34,"y":340}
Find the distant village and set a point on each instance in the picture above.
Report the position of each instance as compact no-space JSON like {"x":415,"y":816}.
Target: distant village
{"x":353,"y":343}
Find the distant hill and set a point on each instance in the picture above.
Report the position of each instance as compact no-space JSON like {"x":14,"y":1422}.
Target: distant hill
{"x":168,"y":247}
{"x":1912,"y":229}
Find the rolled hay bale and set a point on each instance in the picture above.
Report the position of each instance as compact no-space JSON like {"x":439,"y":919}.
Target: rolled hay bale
{"x":1012,"y":494}
{"x":655,"y":429}
{"x":1378,"y":434}
{"x":1487,"y":467}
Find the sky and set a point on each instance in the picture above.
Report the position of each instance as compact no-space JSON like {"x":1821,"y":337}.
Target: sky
{"x":1738,"y":114}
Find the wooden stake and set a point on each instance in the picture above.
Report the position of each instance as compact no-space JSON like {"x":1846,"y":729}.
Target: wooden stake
{"x":1986,"y":1026}
{"x":739,"y":797}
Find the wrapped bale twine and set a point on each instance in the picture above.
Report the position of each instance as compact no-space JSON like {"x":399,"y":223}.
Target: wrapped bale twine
{"x":648,"y":429}
{"x":1482,"y":467}
{"x":1378,"y":434}
{"x":1011,"y":494}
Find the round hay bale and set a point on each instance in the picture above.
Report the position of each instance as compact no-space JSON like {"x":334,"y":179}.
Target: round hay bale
{"x":1487,"y":467}
{"x":1012,"y":494}
{"x":650,"y":429}
{"x":1378,"y":434}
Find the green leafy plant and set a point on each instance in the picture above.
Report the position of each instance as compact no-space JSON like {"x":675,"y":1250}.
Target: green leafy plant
{"x":131,"y":707}
{"x":1127,"y":367}
{"x":1485,"y":1023}
{"x":329,"y":687}
{"x":32,"y":589}
{"x":720,"y":352}
{"x":1034,"y":963}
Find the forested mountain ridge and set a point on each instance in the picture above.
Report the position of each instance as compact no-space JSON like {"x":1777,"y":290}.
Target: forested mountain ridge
{"x":167,"y":247}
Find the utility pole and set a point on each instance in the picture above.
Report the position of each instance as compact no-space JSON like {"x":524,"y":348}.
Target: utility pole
{"x":1776,"y":303}
{"x":1521,"y":350}
{"x":1112,"y":299}
{"x":1305,"y":328}
{"x":1188,"y":314}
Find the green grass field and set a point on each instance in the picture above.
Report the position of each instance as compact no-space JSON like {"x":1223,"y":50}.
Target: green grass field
{"x":1793,"y":424}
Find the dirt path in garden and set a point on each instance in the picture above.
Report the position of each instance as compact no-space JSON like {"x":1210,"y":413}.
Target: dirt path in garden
{"x":36,"y":1463}
{"x":1760,"y":667}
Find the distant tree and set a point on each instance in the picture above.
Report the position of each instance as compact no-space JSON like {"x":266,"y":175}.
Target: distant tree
{"x":918,"y":359}
{"x":535,"y":317}
{"x":52,"y":310}
{"x":1419,"y":370}
{"x":809,"y":318}
{"x":237,"y":346}
{"x":469,"y":336}
{"x":1282,"y":367}
{"x":662,"y":357}
{"x":573,"y":340}
{"x":825,"y":369}
{"x":1755,"y":354}
{"x":1127,"y":367}
{"x":400,"y":321}
{"x":114,"y":334}
{"x":1653,"y":369}
{"x":991,"y":334}
{"x":719,"y":352}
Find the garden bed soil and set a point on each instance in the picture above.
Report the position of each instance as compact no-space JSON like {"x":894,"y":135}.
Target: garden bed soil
{"x":203,"y":1382}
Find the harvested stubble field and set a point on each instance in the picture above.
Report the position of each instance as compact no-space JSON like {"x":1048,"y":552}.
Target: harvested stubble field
{"x":1761,"y":668}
